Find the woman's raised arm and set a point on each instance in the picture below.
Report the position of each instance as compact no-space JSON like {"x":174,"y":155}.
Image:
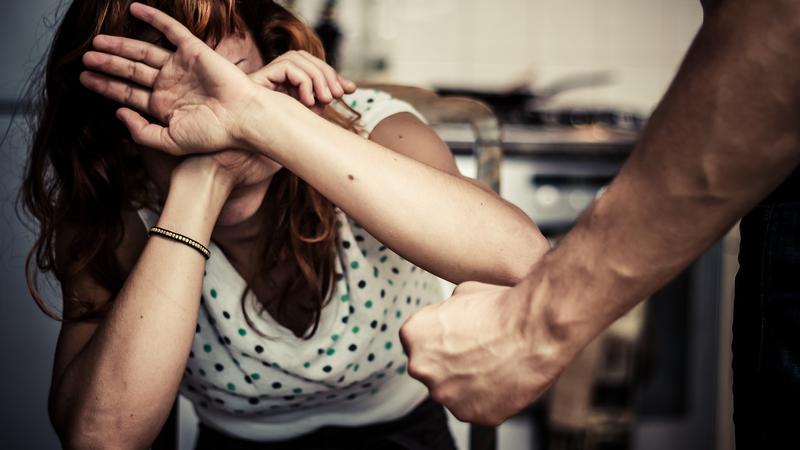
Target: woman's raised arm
{"x":435,"y":218}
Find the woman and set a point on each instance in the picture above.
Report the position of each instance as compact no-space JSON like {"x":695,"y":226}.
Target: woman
{"x":287,"y":336}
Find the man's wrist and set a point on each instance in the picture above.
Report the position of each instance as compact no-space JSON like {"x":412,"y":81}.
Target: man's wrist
{"x":554,"y":321}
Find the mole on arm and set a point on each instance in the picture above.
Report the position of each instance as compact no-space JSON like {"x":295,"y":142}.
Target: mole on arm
{"x":350,"y":177}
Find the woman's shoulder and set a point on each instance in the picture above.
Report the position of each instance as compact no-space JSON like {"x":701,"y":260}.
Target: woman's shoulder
{"x":374,"y":106}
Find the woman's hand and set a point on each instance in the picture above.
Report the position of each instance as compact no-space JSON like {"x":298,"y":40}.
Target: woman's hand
{"x":305,"y":77}
{"x":196,"y":92}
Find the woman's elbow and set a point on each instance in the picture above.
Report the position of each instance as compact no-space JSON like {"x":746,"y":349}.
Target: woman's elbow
{"x":525,"y":255}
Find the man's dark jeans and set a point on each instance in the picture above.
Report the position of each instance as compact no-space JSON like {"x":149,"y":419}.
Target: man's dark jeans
{"x":766,"y":324}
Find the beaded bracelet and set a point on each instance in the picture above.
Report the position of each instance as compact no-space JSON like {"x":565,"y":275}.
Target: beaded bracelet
{"x":180,"y":238}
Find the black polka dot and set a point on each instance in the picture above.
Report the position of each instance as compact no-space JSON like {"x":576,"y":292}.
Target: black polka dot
{"x":197,"y":328}
{"x":276,"y":385}
{"x":227,"y":340}
{"x":201,"y":372}
{"x":221,"y":341}
{"x":395,"y":270}
{"x":413,"y":268}
{"x":289,"y":398}
{"x":345,"y":319}
{"x":391,"y":363}
{"x":408,"y":300}
{"x":320,"y":351}
{"x":212,"y":321}
{"x":346,"y":244}
{"x":340,"y":379}
{"x":259,"y":349}
{"x":371,"y":357}
{"x":359,"y":238}
{"x":339,"y":276}
{"x":370,"y":100}
{"x":219,"y":401}
{"x":383,"y":293}
{"x":351,"y":309}
{"x":191,"y":388}
{"x":381,"y":248}
{"x":383,"y":327}
{"x":418,"y":301}
{"x":352,"y":396}
{"x":374,"y":324}
{"x":247,"y":379}
{"x":203,"y":404}
{"x":219,"y":367}
{"x":362,"y":284}
{"x":253,"y":400}
{"x":353,"y":347}
{"x":327,"y":369}
{"x":226,"y":315}
{"x":191,"y":354}
{"x":189,"y":371}
{"x":366,"y":385}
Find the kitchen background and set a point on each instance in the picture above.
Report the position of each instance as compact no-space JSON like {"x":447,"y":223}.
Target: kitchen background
{"x":574,"y":81}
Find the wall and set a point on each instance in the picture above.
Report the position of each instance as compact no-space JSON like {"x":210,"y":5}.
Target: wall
{"x":640,"y":43}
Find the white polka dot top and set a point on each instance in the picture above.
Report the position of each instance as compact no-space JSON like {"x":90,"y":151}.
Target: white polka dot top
{"x":351,"y":372}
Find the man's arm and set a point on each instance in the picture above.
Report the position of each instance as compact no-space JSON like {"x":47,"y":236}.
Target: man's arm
{"x":726,"y":134}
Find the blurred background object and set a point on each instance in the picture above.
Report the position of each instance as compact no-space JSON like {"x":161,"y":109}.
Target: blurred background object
{"x":572,"y":83}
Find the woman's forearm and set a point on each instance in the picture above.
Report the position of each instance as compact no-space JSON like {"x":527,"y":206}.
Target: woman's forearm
{"x":439,"y":221}
{"x":119,"y":388}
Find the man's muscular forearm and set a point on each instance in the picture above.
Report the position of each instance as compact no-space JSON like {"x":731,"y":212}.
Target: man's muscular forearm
{"x":726,"y":134}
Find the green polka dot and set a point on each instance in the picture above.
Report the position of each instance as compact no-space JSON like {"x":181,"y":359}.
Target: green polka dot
{"x":345,"y":297}
{"x":275,"y":365}
{"x":207,"y":348}
{"x":380,"y":375}
{"x":242,"y":331}
{"x":357,"y":225}
{"x":297,"y":390}
{"x":245,"y":355}
{"x":306,"y":365}
{"x":398,"y":314}
{"x":348,"y":366}
{"x":368,"y":304}
{"x":330,"y":351}
{"x":355,"y":368}
{"x":231,"y":386}
{"x":353,"y":104}
{"x":375,"y":272}
{"x":354,"y":264}
{"x":385,"y":311}
{"x":384,"y":258}
{"x":335,"y":337}
{"x":338,"y":224}
{"x":401,"y":370}
{"x":213,"y":293}
{"x":255,"y":376}
{"x":388,"y":345}
{"x":356,"y":329}
{"x":391,"y":283}
{"x":374,"y":391}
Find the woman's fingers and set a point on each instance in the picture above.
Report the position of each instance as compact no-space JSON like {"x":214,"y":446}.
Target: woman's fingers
{"x":349,"y":86}
{"x":330,"y":74}
{"x":321,"y":88}
{"x":169,"y":27}
{"x":121,"y":67}
{"x":152,"y":55}
{"x":146,"y":133}
{"x":119,"y":91}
